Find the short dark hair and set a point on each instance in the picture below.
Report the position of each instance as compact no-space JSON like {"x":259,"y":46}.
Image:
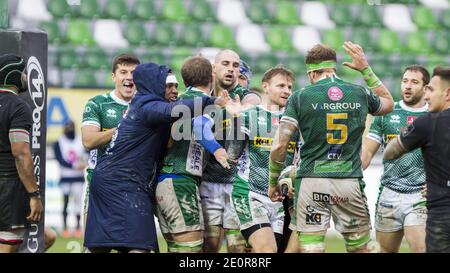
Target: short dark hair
{"x":125,"y":59}
{"x":422,"y":70}
{"x":320,"y":53}
{"x":443,"y":73}
{"x":279,"y":69}
{"x":196,"y":71}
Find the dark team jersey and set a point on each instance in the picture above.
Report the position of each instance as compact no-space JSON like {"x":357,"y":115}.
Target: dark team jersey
{"x":432,"y":133}
{"x":214,"y":172}
{"x":15,"y":115}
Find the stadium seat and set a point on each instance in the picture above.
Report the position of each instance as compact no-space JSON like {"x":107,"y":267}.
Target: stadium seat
{"x":255,"y":81}
{"x":304,"y":38}
{"x":174,"y":10}
{"x":96,"y":58}
{"x":89,"y":9}
{"x":341,"y":15}
{"x":434,"y":60}
{"x":59,"y":8}
{"x":424,"y":18}
{"x":296,"y":63}
{"x":192,"y":35}
{"x":202,"y":11}
{"x":163,"y":34}
{"x":85,"y":78}
{"x":257,"y":12}
{"x":79,"y":33}
{"x":105,"y":80}
{"x":333,"y":38}
{"x":178,"y":56}
{"x":278,"y":38}
{"x":135,"y":33}
{"x":34,"y":10}
{"x":144,"y":10}
{"x":263,"y":62}
{"x":368,"y":16}
{"x":116,"y":9}
{"x":436,"y":4}
{"x":107,"y":33}
{"x":381,"y":65}
{"x":221,"y":36}
{"x":250,"y":38}
{"x":286,"y":13}
{"x":68,"y":58}
{"x":362,"y":37}
{"x":416,"y":43}
{"x":403,"y":61}
{"x":388,"y":41}
{"x":441,"y":42}
{"x":53,"y":33}
{"x":445,"y":19}
{"x":316,"y":14}
{"x":155,"y":56}
{"x":397,"y":18}
{"x":231,"y":13}
{"x":209,"y":52}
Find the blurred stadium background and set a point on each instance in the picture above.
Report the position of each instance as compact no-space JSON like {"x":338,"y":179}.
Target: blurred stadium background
{"x":84,"y":35}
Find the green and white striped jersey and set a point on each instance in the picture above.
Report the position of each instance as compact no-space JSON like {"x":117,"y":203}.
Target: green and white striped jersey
{"x":405,"y":174}
{"x":260,"y":125}
{"x":331,"y":116}
{"x":105,"y":112}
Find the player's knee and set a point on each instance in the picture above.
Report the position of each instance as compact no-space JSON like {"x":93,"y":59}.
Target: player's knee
{"x":235,"y":239}
{"x":213,"y":232}
{"x":49,"y":238}
{"x":311,"y":243}
{"x":186,"y":247}
{"x":360,"y":242}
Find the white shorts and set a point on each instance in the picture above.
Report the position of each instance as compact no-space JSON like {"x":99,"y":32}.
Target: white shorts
{"x":178,"y":205}
{"x":397,"y":210}
{"x":255,"y":209}
{"x":216,"y":205}
{"x":318,"y":199}
{"x":75,"y":189}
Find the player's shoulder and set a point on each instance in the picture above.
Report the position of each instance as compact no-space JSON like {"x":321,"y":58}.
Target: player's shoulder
{"x":352,"y":86}
{"x":252,"y":109}
{"x":102,"y":98}
{"x":17,"y":103}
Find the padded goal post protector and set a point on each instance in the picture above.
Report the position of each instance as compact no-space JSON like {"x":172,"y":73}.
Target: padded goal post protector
{"x":32,"y":46}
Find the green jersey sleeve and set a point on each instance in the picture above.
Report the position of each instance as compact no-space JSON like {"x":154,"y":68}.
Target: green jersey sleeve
{"x":373,"y":102}
{"x":376,"y":129}
{"x":291,"y":113}
{"x":245,"y":123}
{"x":91,"y":114}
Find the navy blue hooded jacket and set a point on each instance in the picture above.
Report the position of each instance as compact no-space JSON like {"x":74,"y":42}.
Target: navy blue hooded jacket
{"x":120,"y":211}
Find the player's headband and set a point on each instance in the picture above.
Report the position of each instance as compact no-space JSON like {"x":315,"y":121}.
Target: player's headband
{"x":171,"y":79}
{"x":245,"y":70}
{"x":322,"y":65}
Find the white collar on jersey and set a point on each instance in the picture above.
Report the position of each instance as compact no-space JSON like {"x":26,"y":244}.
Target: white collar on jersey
{"x":411,"y":109}
{"x":117,"y":99}
{"x":8,"y":90}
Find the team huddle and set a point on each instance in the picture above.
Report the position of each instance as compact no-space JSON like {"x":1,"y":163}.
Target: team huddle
{"x":222,"y":162}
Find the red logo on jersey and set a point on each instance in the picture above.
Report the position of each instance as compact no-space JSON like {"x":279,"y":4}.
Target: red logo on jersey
{"x":275,"y":122}
{"x":335,"y":94}
{"x":411,"y":119}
